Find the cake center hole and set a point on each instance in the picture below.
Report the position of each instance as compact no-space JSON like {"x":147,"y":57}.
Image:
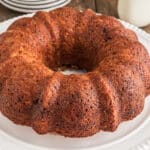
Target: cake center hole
{"x":70,"y":69}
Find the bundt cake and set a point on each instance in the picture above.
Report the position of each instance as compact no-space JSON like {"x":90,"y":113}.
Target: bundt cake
{"x":34,"y":93}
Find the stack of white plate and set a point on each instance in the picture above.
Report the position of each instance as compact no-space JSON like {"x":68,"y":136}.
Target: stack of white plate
{"x":29,"y":6}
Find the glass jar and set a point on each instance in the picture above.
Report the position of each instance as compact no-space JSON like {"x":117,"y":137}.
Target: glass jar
{"x":136,"y":12}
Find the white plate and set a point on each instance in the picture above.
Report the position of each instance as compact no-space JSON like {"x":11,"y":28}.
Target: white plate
{"x":30,"y":6}
{"x":30,"y":9}
{"x":37,"y":2}
{"x":20,"y":137}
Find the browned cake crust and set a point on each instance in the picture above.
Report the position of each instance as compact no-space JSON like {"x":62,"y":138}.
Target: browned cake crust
{"x":33,"y":94}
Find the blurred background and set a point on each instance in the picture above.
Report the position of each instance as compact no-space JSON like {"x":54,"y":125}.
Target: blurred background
{"x":136,"y":12}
